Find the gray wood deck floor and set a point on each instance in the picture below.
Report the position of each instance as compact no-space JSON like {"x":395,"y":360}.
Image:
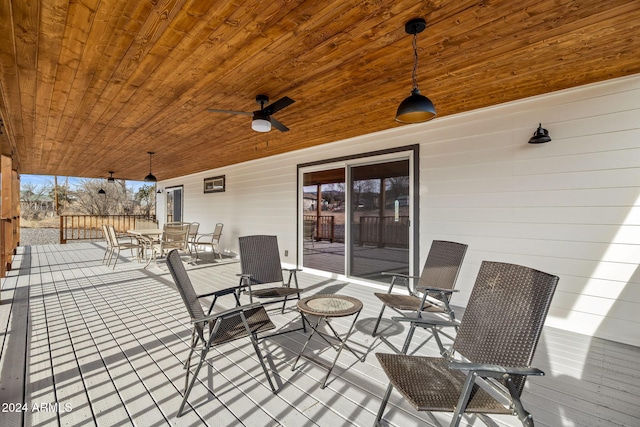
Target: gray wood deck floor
{"x":106,"y":347}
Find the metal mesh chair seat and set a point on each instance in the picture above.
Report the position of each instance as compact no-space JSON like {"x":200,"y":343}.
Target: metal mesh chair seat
{"x":233,"y":328}
{"x":274,"y":292}
{"x":408,"y":303}
{"x":409,"y":375}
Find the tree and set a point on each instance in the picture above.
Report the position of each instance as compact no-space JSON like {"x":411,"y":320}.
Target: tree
{"x":114,"y":201}
{"x":34,"y":200}
{"x":146,"y":199}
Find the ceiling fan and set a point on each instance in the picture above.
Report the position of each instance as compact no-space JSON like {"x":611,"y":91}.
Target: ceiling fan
{"x":262,"y":119}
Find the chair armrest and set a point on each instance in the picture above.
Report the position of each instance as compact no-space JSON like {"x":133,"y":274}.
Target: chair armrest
{"x":292,"y":270}
{"x":494,"y":371}
{"x":393,"y":281}
{"x":227,"y":313}
{"x":404,"y":276}
{"x":446,"y":291}
{"x":426,"y":322}
{"x":200,"y":236}
{"x":221,"y":292}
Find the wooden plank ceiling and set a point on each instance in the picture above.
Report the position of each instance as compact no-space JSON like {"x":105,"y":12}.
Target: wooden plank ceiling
{"x":91,"y":86}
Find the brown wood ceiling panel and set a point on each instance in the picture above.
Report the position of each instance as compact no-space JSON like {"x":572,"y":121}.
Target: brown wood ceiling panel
{"x":91,"y":86}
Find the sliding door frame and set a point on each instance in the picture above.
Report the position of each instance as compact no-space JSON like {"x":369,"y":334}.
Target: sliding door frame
{"x":410,"y":152}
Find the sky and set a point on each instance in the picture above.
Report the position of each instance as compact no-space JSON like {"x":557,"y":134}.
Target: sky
{"x":73,"y":181}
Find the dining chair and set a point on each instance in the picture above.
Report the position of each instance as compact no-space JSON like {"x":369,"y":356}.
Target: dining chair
{"x":174,"y":236}
{"x":117,"y":245}
{"x":211,"y":240}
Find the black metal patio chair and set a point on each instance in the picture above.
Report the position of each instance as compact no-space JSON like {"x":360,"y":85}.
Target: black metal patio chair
{"x":434,"y":287}
{"x":496,"y":341}
{"x":261,"y":273}
{"x":215,"y":329}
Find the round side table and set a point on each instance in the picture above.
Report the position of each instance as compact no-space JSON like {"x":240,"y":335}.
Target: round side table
{"x":325,"y":306}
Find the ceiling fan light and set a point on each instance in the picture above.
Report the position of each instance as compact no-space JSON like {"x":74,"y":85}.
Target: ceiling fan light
{"x":260,"y":122}
{"x":415,"y":108}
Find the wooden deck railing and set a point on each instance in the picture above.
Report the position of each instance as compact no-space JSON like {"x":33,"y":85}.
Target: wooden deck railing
{"x":382,"y":232}
{"x":88,"y":227}
{"x":325,"y":227}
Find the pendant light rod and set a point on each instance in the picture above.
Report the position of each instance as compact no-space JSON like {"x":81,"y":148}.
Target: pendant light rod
{"x":415,"y":27}
{"x":150,"y":177}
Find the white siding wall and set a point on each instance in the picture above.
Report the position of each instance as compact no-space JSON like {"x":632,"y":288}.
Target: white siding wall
{"x":569,"y":207}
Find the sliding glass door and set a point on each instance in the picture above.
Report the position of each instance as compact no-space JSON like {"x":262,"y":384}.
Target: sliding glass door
{"x":324,"y":208}
{"x":379,"y":215}
{"x":174,"y":204}
{"x":356,"y":217}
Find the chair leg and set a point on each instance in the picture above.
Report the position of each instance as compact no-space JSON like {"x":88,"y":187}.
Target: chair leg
{"x":203,"y":355}
{"x":375,"y":328}
{"x":383,"y":405}
{"x":117,"y":254}
{"x":407,"y":341}
{"x":463,"y":400}
{"x":254,"y":341}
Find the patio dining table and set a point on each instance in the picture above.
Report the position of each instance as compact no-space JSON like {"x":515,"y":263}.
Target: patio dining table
{"x":146,"y":236}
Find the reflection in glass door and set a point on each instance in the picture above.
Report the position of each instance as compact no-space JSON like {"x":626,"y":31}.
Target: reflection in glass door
{"x":174,"y":204}
{"x":324,"y":220}
{"x":356,"y":219}
{"x":379,"y":215}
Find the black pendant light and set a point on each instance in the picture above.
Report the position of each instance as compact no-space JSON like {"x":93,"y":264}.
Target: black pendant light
{"x":150,"y":177}
{"x":540,"y":136}
{"x":111,"y":178}
{"x":416,"y":108}
{"x":102,"y":192}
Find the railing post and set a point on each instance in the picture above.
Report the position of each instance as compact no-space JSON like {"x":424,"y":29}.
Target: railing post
{"x":333,"y":229}
{"x":62,"y":239}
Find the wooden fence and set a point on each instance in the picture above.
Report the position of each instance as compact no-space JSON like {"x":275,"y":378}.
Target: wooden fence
{"x":89,"y":227}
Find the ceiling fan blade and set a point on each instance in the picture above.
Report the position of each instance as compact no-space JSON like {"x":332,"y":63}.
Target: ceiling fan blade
{"x":244,"y":113}
{"x":276,"y":124}
{"x":278,"y":105}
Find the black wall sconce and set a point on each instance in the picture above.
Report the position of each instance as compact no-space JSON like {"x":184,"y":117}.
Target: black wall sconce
{"x":540,"y":136}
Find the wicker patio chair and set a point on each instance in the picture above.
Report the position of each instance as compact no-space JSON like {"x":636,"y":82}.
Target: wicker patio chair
{"x":496,"y":341}
{"x":433,"y":290}
{"x":211,"y":330}
{"x":210,"y":239}
{"x":261,"y":272}
{"x":117,"y":245}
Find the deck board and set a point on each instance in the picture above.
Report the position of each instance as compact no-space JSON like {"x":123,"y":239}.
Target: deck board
{"x":111,"y":343}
